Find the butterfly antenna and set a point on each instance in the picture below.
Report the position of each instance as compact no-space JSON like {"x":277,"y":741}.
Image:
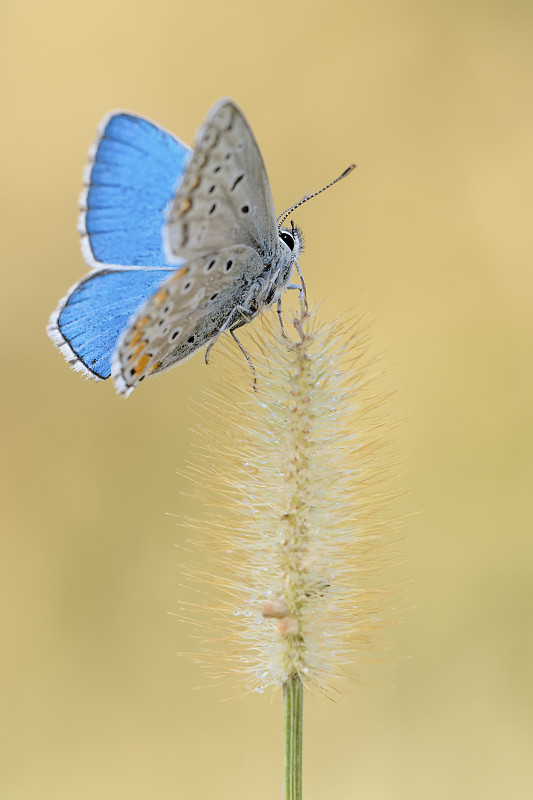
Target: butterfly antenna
{"x":306,"y":197}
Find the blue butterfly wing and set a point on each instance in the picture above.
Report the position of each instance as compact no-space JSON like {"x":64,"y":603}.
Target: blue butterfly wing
{"x":89,"y":320}
{"x":133,"y":171}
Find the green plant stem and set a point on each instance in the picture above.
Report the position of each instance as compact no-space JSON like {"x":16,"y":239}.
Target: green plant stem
{"x":293,"y":699}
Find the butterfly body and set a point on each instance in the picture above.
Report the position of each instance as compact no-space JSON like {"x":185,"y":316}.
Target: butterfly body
{"x":184,"y":245}
{"x":175,"y":322}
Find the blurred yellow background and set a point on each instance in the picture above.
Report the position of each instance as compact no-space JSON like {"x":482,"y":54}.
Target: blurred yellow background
{"x":434,"y":230}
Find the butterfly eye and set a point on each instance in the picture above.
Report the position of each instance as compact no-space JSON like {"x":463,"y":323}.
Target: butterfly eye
{"x":286,"y":237}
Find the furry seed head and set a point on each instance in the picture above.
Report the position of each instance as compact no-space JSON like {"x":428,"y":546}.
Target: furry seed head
{"x":295,"y":479}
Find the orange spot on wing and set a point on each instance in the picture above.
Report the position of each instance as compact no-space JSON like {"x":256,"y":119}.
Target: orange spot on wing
{"x":141,"y":364}
{"x":161,"y":295}
{"x":184,"y":206}
{"x":138,"y":350}
{"x":138,"y":330}
{"x":179,"y":274}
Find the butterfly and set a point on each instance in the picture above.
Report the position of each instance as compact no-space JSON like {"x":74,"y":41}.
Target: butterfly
{"x":183,"y":244}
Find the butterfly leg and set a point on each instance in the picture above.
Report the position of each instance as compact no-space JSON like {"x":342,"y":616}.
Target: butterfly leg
{"x":212,"y":342}
{"x":224,"y":327}
{"x":245,"y":316}
{"x":303,"y":297}
{"x":245,"y":354}
{"x":303,"y":290}
{"x":281,"y":318}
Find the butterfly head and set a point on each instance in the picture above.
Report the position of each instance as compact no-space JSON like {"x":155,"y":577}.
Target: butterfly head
{"x":292,"y":240}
